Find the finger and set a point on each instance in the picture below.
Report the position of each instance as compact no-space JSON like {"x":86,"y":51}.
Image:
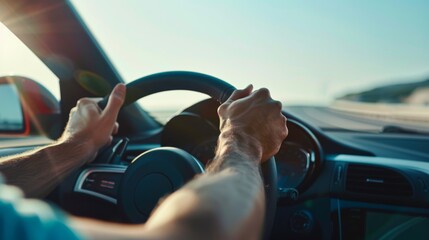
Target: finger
{"x":86,"y":100}
{"x":72,"y":111}
{"x":240,"y":93}
{"x":116,"y":99}
{"x":115,"y":128}
{"x":277,"y":105}
{"x":262,"y":93}
{"x":89,"y":108}
{"x":109,"y":141}
{"x":88,"y":105}
{"x":286,"y":133}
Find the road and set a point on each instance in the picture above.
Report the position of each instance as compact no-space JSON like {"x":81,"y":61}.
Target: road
{"x":330,"y":118}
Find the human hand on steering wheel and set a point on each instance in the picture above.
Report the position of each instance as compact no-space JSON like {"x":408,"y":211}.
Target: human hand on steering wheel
{"x":91,"y":126}
{"x":255,"y":121}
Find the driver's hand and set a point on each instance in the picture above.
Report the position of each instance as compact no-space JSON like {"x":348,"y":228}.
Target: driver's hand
{"x":255,"y":120}
{"x":90,"y":125}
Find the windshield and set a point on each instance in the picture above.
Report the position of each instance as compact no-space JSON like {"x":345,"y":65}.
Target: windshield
{"x":327,"y":53}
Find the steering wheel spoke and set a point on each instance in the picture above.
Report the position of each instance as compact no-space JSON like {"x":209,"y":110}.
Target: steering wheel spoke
{"x":101,"y":181}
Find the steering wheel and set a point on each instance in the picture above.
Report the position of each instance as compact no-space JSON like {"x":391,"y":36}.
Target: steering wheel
{"x":136,"y":189}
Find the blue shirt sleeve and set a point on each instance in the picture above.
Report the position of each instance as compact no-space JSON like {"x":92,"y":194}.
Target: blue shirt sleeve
{"x":30,"y":219}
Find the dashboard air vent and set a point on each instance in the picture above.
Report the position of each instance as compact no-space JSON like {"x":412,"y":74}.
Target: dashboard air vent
{"x":377,"y":180}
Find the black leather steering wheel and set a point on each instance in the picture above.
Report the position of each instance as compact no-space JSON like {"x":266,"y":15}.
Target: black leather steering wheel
{"x":178,"y":80}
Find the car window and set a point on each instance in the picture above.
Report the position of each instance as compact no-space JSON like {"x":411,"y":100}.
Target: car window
{"x":33,"y":76}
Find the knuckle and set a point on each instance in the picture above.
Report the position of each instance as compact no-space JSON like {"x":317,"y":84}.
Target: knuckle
{"x":284,"y":119}
{"x":73,"y":111}
{"x":109,"y":140}
{"x":265,"y":92}
{"x":221,"y":109}
{"x":283,"y":130}
{"x":83,"y":101}
{"x":286,"y":132}
{"x":277,"y":104}
{"x":262,"y":92}
{"x":278,"y":146}
{"x":235,"y":92}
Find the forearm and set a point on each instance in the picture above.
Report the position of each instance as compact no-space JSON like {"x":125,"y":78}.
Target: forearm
{"x":225,"y":203}
{"x":95,"y":230}
{"x":39,"y":171}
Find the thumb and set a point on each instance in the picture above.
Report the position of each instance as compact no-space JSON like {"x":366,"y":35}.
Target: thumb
{"x":116,"y":99}
{"x":240,"y":93}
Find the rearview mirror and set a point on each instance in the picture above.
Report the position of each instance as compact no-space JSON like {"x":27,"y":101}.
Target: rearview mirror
{"x":12,"y":119}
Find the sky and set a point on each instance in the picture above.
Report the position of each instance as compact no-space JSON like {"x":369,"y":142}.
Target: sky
{"x":17,"y":59}
{"x":305,"y":52}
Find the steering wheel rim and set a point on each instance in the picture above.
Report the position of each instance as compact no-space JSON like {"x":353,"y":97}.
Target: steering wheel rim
{"x":217,"y":89}
{"x":175,"y":80}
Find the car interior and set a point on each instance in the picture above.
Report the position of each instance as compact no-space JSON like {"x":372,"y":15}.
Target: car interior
{"x":322,"y":184}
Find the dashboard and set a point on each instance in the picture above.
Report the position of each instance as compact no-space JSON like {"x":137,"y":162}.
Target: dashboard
{"x":370,"y":186}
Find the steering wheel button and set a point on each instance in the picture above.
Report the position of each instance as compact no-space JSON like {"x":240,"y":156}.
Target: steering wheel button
{"x":103,"y":183}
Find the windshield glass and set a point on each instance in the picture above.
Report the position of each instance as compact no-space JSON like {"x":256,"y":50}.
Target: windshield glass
{"x":327,"y":53}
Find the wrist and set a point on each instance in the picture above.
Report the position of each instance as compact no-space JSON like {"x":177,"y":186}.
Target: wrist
{"x":235,"y":140}
{"x":82,"y":151}
{"x":236,"y":150}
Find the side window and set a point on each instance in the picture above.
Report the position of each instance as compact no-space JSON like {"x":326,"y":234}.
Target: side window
{"x":29,"y":92}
